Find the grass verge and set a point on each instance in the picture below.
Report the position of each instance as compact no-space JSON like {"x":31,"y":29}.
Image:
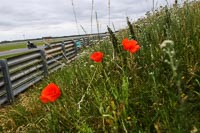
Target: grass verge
{"x":153,"y":90}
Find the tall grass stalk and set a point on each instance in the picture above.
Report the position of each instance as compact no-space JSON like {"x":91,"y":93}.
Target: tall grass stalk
{"x":83,"y":29}
{"x":132,"y":32}
{"x":91,"y":18}
{"x":109,"y":13}
{"x":97,"y":22}
{"x":74,"y":12}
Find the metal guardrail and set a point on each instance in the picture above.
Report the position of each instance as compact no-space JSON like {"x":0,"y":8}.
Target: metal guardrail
{"x":22,"y":71}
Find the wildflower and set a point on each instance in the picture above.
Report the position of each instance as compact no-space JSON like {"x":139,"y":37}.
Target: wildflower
{"x":165,"y":43}
{"x":128,"y":118}
{"x":130,"y":45}
{"x":194,"y":130}
{"x":125,"y":41}
{"x":50,"y":93}
{"x":97,"y":56}
{"x":91,"y":66}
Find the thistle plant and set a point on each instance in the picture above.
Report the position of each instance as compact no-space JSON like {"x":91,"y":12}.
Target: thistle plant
{"x":168,"y":47}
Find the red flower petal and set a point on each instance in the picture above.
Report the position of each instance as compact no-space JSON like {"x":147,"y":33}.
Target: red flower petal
{"x":50,"y":93}
{"x":127,"y":46}
{"x":130,"y":45}
{"x":44,"y":99}
{"x":134,"y":49}
{"x":125,"y":41}
{"x":133,"y":42}
{"x":97,"y":56}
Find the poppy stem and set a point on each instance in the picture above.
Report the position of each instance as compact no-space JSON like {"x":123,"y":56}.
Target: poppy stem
{"x":86,"y":92}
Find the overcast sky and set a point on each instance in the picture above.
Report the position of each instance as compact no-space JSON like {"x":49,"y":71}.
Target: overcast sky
{"x":25,"y":19}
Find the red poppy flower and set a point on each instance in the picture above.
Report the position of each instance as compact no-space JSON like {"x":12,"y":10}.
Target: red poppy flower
{"x":134,"y":49}
{"x":97,"y":56}
{"x":130,"y":45}
{"x":125,"y":41}
{"x":50,"y":93}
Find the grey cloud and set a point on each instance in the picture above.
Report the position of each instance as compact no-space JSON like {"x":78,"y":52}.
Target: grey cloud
{"x":35,"y":15}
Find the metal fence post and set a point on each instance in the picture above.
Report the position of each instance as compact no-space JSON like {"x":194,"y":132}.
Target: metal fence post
{"x":63,"y":48}
{"x":75,"y":47}
{"x":7,"y":81}
{"x":84,"y":42}
{"x":44,"y":61}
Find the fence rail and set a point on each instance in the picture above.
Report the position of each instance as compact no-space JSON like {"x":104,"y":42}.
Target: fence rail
{"x":24,"y":70}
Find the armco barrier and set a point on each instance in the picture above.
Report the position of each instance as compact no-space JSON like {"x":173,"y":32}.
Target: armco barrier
{"x":24,"y":70}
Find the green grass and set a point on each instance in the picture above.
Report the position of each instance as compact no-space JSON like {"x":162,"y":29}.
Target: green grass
{"x":12,"y":46}
{"x":155,"y":90}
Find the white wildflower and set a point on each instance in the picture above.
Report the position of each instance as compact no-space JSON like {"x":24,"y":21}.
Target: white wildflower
{"x":91,"y":66}
{"x":165,"y":43}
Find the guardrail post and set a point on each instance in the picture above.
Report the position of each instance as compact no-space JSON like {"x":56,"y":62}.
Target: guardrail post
{"x":75,"y":47}
{"x":7,"y":81}
{"x":63,"y":48}
{"x":84,"y":42}
{"x":44,"y":61}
